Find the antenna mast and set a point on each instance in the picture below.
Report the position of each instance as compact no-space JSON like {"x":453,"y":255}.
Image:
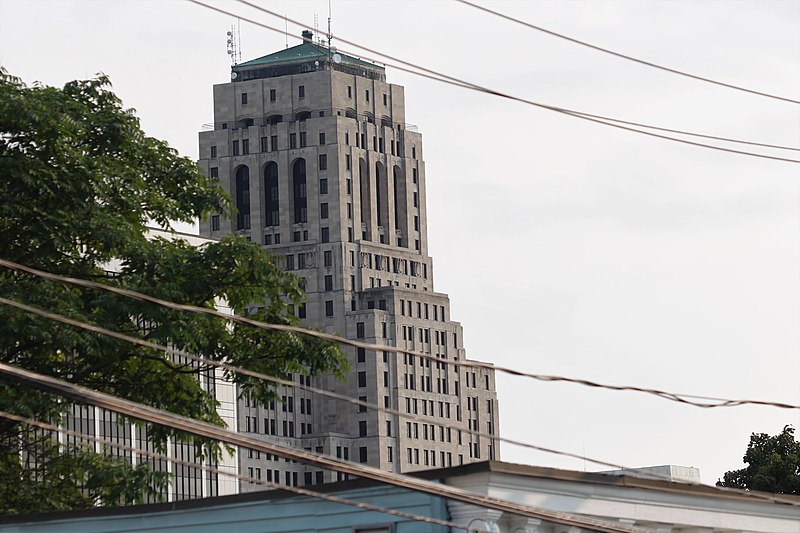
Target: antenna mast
{"x":234,"y":44}
{"x":286,"y":29}
{"x":329,"y":24}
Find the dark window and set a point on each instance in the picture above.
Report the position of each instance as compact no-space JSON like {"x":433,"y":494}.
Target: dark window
{"x":299,"y":191}
{"x":271,"y":194}
{"x":414,"y":174}
{"x":272,"y":95}
{"x":244,"y":98}
{"x":321,"y":138}
{"x":416,"y":199}
{"x":362,"y":408}
{"x":414,"y":152}
{"x":329,"y":308}
{"x":273,"y":142}
{"x":213,"y":151}
{"x":290,"y":262}
{"x":360,"y":330}
{"x":243,"y":198}
{"x":301,"y":313}
{"x":347,"y":138}
{"x":323,"y":162}
{"x":301,"y":91}
{"x":214,"y":172}
{"x":349,"y":91}
{"x":325,"y":234}
{"x":297,"y":236}
{"x":235,"y":149}
{"x":303,"y":139}
{"x":323,"y":186}
{"x":327,"y":258}
{"x":362,"y":355}
{"x":292,"y":140}
{"x":214,"y":222}
{"x":245,"y":146}
{"x":367,"y":94}
{"x":362,"y":429}
{"x":328,"y":283}
{"x":381,"y":145}
{"x":323,"y":210}
{"x":347,"y":163}
{"x":385,"y":99}
{"x":265,"y":144}
{"x":362,"y":454}
{"x":301,"y":261}
{"x":362,"y":379}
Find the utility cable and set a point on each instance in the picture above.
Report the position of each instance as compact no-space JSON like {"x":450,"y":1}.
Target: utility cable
{"x":208,"y":431}
{"x":620,"y":55}
{"x":436,"y":76}
{"x":271,"y":484}
{"x":323,"y":392}
{"x":708,"y":401}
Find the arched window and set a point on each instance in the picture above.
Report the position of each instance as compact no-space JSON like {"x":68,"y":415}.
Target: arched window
{"x":242,"y":197}
{"x":386,"y":121}
{"x":350,"y":112}
{"x":303,"y":115}
{"x":382,"y":200}
{"x":271,"y":194}
{"x":366,"y":204}
{"x":299,"y":191}
{"x":274,"y":119}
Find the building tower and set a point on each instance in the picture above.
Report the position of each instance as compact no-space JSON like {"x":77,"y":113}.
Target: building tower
{"x":314,"y":148}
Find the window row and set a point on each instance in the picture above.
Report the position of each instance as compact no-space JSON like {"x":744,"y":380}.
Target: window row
{"x":429,"y":457}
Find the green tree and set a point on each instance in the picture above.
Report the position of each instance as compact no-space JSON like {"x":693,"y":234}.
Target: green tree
{"x":773,"y":464}
{"x":79,"y":183}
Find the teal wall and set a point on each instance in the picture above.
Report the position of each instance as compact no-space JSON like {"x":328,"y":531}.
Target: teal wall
{"x":285,"y":515}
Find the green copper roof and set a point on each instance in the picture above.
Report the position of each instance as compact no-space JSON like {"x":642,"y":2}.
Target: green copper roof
{"x":302,"y":52}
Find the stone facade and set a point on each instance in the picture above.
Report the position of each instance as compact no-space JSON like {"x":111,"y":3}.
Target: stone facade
{"x":315,"y":151}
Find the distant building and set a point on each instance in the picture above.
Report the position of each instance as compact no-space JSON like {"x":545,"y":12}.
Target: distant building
{"x":314,"y":148}
{"x":684,"y":474}
{"x":657,"y":506}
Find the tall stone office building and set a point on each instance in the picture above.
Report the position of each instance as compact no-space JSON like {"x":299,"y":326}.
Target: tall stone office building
{"x":314,"y":148}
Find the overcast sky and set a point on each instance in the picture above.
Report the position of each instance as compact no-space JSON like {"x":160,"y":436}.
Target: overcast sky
{"x":566,"y":247}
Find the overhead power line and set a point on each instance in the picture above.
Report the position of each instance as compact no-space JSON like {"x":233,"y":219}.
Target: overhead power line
{"x":323,"y":392}
{"x":623,"y":56}
{"x":689,"y":399}
{"x":219,"y":471}
{"x":208,"y":431}
{"x":416,"y":70}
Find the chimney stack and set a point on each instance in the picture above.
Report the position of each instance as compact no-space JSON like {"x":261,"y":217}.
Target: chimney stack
{"x":307,"y":36}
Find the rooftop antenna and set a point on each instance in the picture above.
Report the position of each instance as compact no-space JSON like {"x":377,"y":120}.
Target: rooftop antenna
{"x":233,"y":45}
{"x":286,"y":29}
{"x":238,"y":40}
{"x":329,"y":24}
{"x":316,"y":26}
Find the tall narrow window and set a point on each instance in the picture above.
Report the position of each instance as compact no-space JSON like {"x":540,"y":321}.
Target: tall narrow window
{"x":366,"y":204}
{"x":321,"y":138}
{"x":382,"y":197}
{"x":292,"y":140}
{"x":323,"y":161}
{"x":299,"y":191}
{"x":303,"y":141}
{"x":235,"y":147}
{"x":245,"y":146}
{"x":271,"y":192}
{"x":272,"y":95}
{"x":213,"y":152}
{"x":301,"y":91}
{"x":367,"y":94}
{"x":244,"y":98}
{"x":243,"y":197}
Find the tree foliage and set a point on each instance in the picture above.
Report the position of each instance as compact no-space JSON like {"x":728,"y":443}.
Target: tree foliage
{"x":773,"y":464}
{"x":79,"y":184}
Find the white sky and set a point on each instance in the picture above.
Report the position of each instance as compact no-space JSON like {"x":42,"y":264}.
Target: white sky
{"x":566,"y":247}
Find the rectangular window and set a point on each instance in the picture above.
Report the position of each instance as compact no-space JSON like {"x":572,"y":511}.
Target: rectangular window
{"x":235,"y":148}
{"x":361,"y":355}
{"x":327,"y":258}
{"x":265,"y":144}
{"x":213,"y":152}
{"x":272,"y":95}
{"x":347,"y":138}
{"x":323,"y":186}
{"x":362,"y":408}
{"x":244,"y":98}
{"x":414,"y":174}
{"x":328,"y":282}
{"x":301,"y":311}
{"x":301,"y":261}
{"x":329,"y":308}
{"x":360,"y":330}
{"x":362,"y":428}
{"x":362,"y":379}
{"x":416,"y":222}
{"x":349,"y":210}
{"x":290,"y":262}
{"x":414,"y":152}
{"x":245,"y":146}
{"x":323,"y":162}
{"x":362,"y":454}
{"x":381,"y":147}
{"x":302,"y":139}
{"x":214,"y":172}
{"x":416,"y":199}
{"x":385,"y":99}
{"x":367,"y":94}
{"x":273,"y":143}
{"x":321,"y":138}
{"x":323,"y":210}
{"x":301,"y":91}
{"x":347,"y":163}
{"x":292,"y":140}
{"x":349,"y":91}
{"x":325,"y":234}
{"x":214,"y":222}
